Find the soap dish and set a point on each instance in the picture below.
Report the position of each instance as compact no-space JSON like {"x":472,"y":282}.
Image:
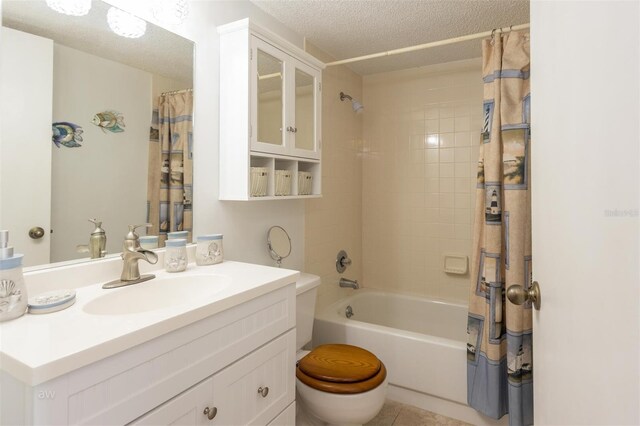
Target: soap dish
{"x":455,"y":264}
{"x":51,"y":301}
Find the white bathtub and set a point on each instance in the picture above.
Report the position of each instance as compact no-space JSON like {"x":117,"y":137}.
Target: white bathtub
{"x":421,"y":341}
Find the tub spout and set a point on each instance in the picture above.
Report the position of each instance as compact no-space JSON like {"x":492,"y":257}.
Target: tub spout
{"x":345,"y":282}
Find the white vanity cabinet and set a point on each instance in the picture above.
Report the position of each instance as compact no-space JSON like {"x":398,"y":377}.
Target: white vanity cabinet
{"x":254,"y":390}
{"x":223,"y":363}
{"x":270,"y":112}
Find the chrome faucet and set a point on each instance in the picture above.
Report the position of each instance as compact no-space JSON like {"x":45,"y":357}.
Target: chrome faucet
{"x":131,"y":254}
{"x":97,"y":242}
{"x":345,"y":282}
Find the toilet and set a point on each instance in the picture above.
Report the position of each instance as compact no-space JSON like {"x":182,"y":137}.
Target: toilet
{"x":336,"y":384}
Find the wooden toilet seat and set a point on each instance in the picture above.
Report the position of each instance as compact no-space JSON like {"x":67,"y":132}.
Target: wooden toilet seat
{"x":338,"y":368}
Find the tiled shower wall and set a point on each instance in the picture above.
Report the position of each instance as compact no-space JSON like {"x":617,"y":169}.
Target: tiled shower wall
{"x":421,"y":131}
{"x":334,"y":222}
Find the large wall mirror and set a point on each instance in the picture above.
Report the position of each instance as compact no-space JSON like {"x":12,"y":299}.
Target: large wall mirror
{"x":95,"y":125}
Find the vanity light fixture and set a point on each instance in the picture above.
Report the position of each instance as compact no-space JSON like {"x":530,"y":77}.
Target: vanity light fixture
{"x":170,"y":12}
{"x":125,"y":24}
{"x":70,"y":7}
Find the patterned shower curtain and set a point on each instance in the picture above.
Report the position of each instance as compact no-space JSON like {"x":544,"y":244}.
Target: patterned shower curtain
{"x":170,"y":184}
{"x":499,"y":347}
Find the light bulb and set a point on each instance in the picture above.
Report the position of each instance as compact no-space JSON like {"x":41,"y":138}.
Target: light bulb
{"x":70,"y":7}
{"x":170,"y":12}
{"x":125,"y":24}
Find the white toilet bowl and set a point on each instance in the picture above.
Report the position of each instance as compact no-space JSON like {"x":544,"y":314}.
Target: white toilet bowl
{"x":326,"y":402}
{"x":322,"y":408}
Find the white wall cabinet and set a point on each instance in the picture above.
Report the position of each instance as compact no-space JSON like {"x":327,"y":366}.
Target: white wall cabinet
{"x":218,"y":363}
{"x":270,"y":112}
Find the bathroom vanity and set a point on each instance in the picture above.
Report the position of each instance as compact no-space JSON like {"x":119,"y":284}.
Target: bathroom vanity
{"x":212,"y":345}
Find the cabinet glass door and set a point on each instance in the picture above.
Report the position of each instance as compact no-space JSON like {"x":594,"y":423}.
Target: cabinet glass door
{"x":270,"y":99}
{"x":305,"y":111}
{"x":305,"y":107}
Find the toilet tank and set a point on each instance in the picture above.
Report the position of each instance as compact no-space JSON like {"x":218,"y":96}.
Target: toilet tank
{"x":306,"y":291}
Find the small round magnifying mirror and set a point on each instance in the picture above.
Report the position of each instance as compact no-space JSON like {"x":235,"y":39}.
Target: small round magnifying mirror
{"x":279,"y":244}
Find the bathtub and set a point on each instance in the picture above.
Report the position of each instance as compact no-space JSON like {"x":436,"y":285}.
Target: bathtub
{"x":421,"y":341}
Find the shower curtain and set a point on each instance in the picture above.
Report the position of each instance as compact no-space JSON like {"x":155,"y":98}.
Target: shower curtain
{"x":170,"y":182}
{"x":499,"y":347}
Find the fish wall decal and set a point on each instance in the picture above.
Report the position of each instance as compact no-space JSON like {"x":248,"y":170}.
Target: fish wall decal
{"x":67,"y":134}
{"x":112,"y":121}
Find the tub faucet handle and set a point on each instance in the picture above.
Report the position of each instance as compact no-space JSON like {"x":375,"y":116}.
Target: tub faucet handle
{"x":342,"y":261}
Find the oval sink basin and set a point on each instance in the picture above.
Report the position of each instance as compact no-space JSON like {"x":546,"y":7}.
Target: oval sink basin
{"x":157,"y":293}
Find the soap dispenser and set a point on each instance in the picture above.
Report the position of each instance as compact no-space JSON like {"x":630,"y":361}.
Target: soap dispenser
{"x":97,"y":240}
{"x":13,"y":293}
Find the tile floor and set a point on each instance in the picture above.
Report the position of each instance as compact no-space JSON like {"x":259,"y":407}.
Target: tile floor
{"x":397,"y":414}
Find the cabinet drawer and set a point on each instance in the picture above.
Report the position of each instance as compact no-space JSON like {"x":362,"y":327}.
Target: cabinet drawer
{"x":269,"y":369}
{"x":233,"y":393}
{"x":185,"y":409}
{"x":287,"y":417}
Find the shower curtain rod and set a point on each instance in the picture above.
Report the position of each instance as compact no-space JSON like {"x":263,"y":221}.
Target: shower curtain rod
{"x":429,"y":45}
{"x":173,"y":92}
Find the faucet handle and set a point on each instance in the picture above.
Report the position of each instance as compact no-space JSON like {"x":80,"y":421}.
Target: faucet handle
{"x":132,"y":231}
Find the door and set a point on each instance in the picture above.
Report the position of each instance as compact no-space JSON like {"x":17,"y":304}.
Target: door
{"x":268,"y":95}
{"x":26,"y":93}
{"x":304,"y":110}
{"x":585,"y":132}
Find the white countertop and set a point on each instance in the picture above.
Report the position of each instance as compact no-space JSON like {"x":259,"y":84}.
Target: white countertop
{"x":38,"y":348}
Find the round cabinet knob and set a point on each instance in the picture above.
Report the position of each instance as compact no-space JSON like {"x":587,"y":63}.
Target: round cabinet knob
{"x":264,"y":391}
{"x":210,"y":412}
{"x":518,"y":295}
{"x":36,"y":232}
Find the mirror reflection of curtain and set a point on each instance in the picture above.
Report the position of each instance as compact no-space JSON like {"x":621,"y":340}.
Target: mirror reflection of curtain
{"x":170,"y":182}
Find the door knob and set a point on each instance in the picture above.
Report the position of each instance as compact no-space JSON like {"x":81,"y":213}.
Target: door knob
{"x":36,"y":232}
{"x":518,"y":295}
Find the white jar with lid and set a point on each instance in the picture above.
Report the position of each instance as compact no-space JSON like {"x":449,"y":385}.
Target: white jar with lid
{"x":209,"y":250}
{"x":13,"y":292}
{"x":175,"y":256}
{"x":178,"y":235}
{"x":149,"y":242}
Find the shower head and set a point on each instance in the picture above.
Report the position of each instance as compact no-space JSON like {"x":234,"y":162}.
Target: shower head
{"x":357,"y":106}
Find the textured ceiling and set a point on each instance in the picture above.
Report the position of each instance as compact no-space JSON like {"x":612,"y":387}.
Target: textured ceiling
{"x":158,"y":51}
{"x":348,"y":28}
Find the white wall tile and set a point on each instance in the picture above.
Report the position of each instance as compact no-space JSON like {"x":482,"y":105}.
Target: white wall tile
{"x":462,"y":169}
{"x":462,"y":139}
{"x":419,"y":187}
{"x":447,"y":155}
{"x":431,"y":155}
{"x":447,"y":170}
{"x":432,"y":141}
{"x":447,"y":185}
{"x":432,"y":125}
{"x":463,"y":155}
{"x":447,"y":140}
{"x":447,"y":201}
